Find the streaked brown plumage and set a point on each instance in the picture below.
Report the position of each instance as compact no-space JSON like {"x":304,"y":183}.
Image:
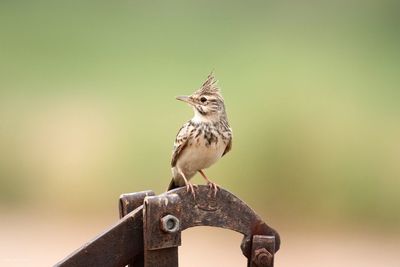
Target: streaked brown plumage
{"x":204,"y":139}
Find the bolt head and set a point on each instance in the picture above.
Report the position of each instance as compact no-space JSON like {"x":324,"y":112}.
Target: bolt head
{"x":170,"y":224}
{"x":262,"y":257}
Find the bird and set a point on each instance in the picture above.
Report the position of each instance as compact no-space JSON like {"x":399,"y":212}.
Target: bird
{"x":204,"y":139}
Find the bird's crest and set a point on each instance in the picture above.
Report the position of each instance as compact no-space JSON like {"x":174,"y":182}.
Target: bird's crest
{"x":209,"y":86}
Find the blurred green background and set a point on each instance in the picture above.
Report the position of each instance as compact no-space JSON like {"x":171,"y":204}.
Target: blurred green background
{"x":87,"y":107}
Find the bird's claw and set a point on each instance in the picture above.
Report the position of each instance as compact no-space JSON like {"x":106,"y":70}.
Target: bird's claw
{"x":190,"y":187}
{"x":213,"y":186}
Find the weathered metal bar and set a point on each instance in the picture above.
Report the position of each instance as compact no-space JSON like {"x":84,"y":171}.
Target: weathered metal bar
{"x":131,"y":201}
{"x":127,"y":203}
{"x":118,"y":246}
{"x":161,"y":230}
{"x":150,"y":235}
{"x":224,"y":210}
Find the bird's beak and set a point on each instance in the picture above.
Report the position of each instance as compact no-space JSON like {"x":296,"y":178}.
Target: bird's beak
{"x":184,"y":98}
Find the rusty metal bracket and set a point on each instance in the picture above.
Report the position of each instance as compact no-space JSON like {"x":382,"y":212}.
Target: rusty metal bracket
{"x":131,"y":201}
{"x":161,"y":230}
{"x":128,"y":203}
{"x":149,"y":235}
{"x":263,"y":249}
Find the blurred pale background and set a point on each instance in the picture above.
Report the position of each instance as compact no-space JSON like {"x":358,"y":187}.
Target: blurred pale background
{"x":87,"y":112}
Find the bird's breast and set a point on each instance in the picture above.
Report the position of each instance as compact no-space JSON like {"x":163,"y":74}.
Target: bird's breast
{"x":200,"y":154}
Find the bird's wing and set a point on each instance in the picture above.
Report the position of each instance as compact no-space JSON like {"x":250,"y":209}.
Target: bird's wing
{"x":228,"y":147}
{"x":180,"y":143}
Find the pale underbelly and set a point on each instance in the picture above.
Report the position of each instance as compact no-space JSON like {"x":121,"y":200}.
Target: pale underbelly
{"x":195,"y":158}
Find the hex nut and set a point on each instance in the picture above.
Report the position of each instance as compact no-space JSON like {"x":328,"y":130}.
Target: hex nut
{"x":262,"y":257}
{"x":170,"y":224}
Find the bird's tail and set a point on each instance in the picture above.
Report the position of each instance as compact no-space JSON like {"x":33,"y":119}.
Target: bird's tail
{"x":172,"y":185}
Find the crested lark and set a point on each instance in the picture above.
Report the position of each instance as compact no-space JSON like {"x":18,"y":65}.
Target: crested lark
{"x":202,"y":140}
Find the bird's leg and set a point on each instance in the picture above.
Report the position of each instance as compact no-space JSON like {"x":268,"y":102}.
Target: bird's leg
{"x":212,"y":185}
{"x":189,"y":187}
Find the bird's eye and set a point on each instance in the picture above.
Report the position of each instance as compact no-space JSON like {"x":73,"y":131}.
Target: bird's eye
{"x":203,"y":99}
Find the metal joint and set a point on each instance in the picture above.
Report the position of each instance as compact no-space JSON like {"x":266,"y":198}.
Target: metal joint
{"x":149,"y":230}
{"x":170,"y":224}
{"x":263,"y":249}
{"x":262,"y":257}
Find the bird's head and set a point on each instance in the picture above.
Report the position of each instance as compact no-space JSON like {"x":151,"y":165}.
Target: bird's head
{"x":207,"y":101}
